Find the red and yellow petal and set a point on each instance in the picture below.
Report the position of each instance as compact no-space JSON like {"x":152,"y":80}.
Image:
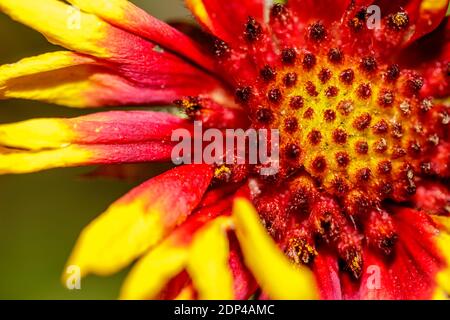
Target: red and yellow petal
{"x":226,"y":19}
{"x":127,"y":16}
{"x":128,"y":55}
{"x":443,"y":243}
{"x":104,"y":138}
{"x":208,"y":263}
{"x":139,"y":220}
{"x":67,"y":27}
{"x":326,"y":270}
{"x":19,"y":162}
{"x":430,"y":15}
{"x":420,"y":250}
{"x":150,"y":275}
{"x":75,"y":80}
{"x":113,"y":127}
{"x":274,"y":273}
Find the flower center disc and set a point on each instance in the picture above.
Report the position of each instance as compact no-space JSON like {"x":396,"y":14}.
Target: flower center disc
{"x":353,"y":125}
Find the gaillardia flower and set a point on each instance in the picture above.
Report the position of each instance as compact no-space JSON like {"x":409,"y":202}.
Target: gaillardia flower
{"x":360,"y":206}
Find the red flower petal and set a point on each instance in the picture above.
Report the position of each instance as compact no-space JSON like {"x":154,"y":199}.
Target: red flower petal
{"x":433,"y":198}
{"x":127,"y":16}
{"x":326,"y":270}
{"x":430,"y":15}
{"x":433,"y":64}
{"x":410,"y":273}
{"x":324,"y":10}
{"x":76,"y":80}
{"x":226,"y":19}
{"x":418,"y":17}
{"x":244,"y":283}
{"x":102,"y":138}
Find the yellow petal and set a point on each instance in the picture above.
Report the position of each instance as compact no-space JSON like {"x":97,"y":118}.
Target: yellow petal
{"x":109,"y":9}
{"x":198,"y":8}
{"x":279,"y":278}
{"x":440,"y":294}
{"x":36,"y":134}
{"x":443,"y":277}
{"x":115,"y":238}
{"x":208,"y":263}
{"x":61,"y":77}
{"x":139,"y":220}
{"x":75,"y":80}
{"x":61,"y":24}
{"x":186,"y":294}
{"x":151,"y":273}
{"x":431,"y":5}
{"x":25,"y":162}
{"x":444,"y":222}
{"x":127,"y":16}
{"x":42,"y":63}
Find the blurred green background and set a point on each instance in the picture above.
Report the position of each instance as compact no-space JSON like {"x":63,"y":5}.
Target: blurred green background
{"x":42,"y":214}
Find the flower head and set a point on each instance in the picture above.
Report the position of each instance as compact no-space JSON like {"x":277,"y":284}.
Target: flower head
{"x":360,"y":205}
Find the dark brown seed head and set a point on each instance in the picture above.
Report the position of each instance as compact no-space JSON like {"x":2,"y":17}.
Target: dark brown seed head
{"x":253,"y":30}
{"x":393,"y":72}
{"x":347,"y":76}
{"x":364,"y":91}
{"x":311,"y":89}
{"x":369,"y":64}
{"x":319,"y":164}
{"x":309,"y":61}
{"x":309,"y":113}
{"x":264,"y":115}
{"x":342,"y":159}
{"x":317,"y":32}
{"x":288,"y":56}
{"x":315,"y":137}
{"x":335,"y":55}
{"x":331,"y":92}
{"x":296,"y":102}
{"x":385,"y":167}
{"x":278,"y":11}
{"x":274,"y":95}
{"x":243,"y":94}
{"x":292,"y":151}
{"x":268,"y":73}
{"x":362,"y":147}
{"x":291,"y":124}
{"x":329,"y":115}
{"x":290,"y":79}
{"x":386,"y":98}
{"x":340,"y":136}
{"x":381,"y":127}
{"x":221,"y":49}
{"x":381,"y":145}
{"x":325,"y":75}
{"x":364,"y":174}
{"x":362,"y":122}
{"x":414,"y":84}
